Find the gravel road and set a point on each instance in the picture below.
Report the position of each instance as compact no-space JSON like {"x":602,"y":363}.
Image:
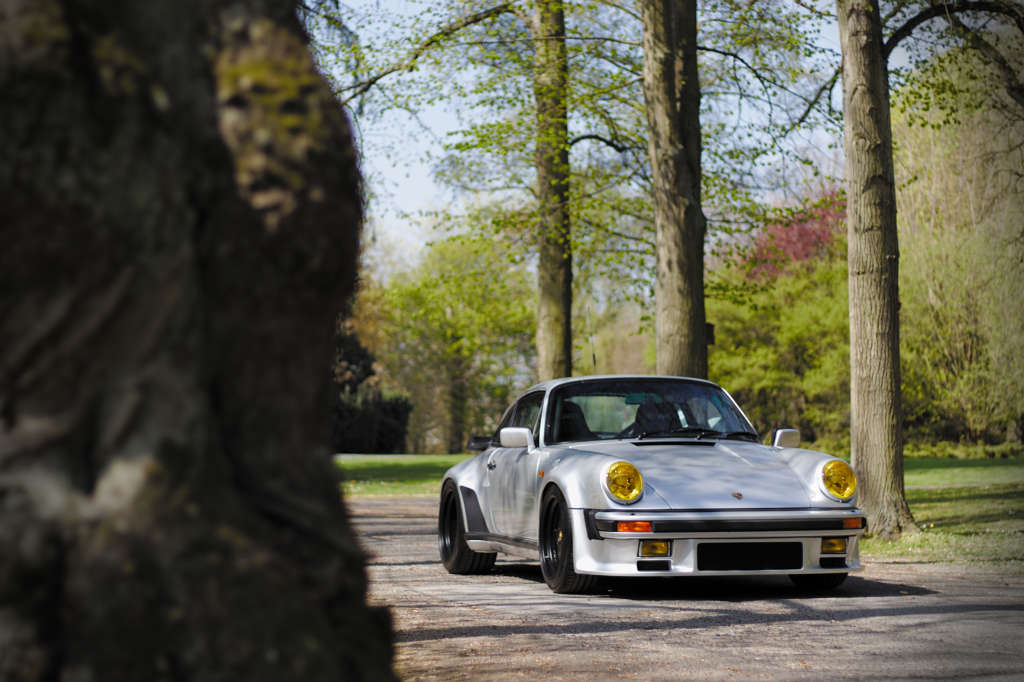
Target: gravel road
{"x":893,"y":620}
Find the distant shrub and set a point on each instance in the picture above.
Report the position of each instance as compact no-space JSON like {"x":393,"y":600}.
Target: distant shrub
{"x":366,"y":421}
{"x":363,"y":418}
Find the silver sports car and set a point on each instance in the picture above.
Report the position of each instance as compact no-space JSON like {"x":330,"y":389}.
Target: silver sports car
{"x":647,"y":476}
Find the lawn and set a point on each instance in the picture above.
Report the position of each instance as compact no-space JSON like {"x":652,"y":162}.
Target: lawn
{"x":970,"y":510}
{"x":394,"y":474}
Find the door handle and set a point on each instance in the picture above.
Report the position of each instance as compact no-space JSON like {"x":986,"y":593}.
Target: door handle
{"x":491,"y":465}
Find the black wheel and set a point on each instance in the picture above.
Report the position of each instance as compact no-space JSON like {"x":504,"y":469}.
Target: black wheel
{"x":818,"y":581}
{"x":556,"y":561}
{"x":456,"y":555}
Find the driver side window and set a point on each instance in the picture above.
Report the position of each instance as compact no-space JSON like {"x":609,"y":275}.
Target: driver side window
{"x":528,"y":414}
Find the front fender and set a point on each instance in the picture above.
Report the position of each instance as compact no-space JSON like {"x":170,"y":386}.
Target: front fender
{"x":579,"y":475}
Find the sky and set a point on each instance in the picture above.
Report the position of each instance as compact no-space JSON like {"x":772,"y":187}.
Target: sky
{"x":394,"y":148}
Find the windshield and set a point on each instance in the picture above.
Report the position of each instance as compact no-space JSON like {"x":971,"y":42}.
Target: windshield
{"x":643,"y":408}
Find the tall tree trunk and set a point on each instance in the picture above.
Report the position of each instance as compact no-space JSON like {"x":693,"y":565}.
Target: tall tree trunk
{"x":458,"y":399}
{"x":672,"y":94}
{"x":554,"y":270}
{"x":875,"y":406}
{"x":180,"y":226}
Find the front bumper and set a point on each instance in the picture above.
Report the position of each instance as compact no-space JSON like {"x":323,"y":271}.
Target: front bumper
{"x":752,"y":542}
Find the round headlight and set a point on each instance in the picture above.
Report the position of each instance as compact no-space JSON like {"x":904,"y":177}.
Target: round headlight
{"x":838,"y":479}
{"x":624,"y":482}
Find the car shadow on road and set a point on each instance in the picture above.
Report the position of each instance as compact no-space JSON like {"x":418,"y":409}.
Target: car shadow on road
{"x":724,"y":588}
{"x":744,"y":588}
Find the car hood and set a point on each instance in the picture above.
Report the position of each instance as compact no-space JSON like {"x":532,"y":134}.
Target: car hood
{"x":723,"y":475}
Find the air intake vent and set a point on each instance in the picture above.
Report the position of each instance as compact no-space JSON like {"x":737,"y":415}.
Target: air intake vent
{"x":646,"y":443}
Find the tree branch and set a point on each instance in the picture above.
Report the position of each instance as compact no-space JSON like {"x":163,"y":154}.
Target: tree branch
{"x":1014,"y":88}
{"x":948,"y":9}
{"x":826,"y":87}
{"x":362,"y":87}
{"x":622,"y":149}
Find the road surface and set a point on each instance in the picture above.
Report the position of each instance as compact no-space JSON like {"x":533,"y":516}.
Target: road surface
{"x":894,"y":620}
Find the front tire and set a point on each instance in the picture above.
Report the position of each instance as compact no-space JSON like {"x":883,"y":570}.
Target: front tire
{"x":556,"y":557}
{"x":818,"y":581}
{"x":456,"y":555}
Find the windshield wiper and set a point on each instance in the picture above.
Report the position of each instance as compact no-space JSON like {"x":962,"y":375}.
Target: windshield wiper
{"x":741,"y":435}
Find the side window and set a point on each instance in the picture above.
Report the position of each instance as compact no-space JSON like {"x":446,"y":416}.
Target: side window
{"x":528,"y":413}
{"x":506,"y":420}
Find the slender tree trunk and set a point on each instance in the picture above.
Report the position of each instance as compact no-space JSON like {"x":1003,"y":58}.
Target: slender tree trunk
{"x":458,"y":399}
{"x":672,"y":94}
{"x":875,"y":406}
{"x":554,"y":270}
{"x":181,"y":214}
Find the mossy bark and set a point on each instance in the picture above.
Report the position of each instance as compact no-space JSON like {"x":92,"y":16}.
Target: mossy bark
{"x":181,"y":223}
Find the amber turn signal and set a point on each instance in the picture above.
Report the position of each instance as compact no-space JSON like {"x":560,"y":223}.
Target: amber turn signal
{"x":633,"y":526}
{"x":853,"y":523}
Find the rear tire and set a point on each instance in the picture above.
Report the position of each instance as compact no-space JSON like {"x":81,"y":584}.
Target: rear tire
{"x":556,"y":557}
{"x":456,"y":555}
{"x":818,"y":581}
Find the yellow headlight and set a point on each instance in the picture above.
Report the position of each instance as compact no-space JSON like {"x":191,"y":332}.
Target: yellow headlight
{"x":625,"y":482}
{"x":839,"y":479}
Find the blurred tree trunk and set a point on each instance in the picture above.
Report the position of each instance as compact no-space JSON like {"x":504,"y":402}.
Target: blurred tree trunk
{"x":181,"y":220}
{"x":672,"y":94}
{"x":554,"y":270}
{"x":873,"y":254}
{"x":458,"y":401}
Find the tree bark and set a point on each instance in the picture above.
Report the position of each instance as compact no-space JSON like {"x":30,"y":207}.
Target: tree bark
{"x":554,"y":269}
{"x":181,"y":225}
{"x":873,"y":257}
{"x":672,"y":94}
{"x":458,"y":400}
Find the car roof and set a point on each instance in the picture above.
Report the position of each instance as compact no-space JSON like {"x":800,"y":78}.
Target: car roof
{"x":552,"y":383}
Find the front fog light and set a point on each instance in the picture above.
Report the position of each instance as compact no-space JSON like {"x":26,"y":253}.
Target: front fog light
{"x":655,"y":547}
{"x":833,"y":545}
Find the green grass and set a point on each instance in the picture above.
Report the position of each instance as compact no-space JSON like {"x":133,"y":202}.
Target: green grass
{"x":395,"y":475}
{"x":967,"y":524}
{"x":922,"y":471}
{"x":969,"y":511}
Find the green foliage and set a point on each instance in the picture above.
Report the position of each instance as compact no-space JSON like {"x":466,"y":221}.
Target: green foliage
{"x":961,"y":212}
{"x":367,"y":421}
{"x":762,"y":75}
{"x":784,"y":353}
{"x":363,"y":419}
{"x":455,"y":333}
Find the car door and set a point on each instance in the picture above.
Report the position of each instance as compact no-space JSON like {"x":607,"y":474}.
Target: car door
{"x":512,"y":474}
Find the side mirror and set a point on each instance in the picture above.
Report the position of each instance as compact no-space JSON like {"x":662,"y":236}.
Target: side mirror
{"x":516,"y":437}
{"x":786,"y":438}
{"x":478,"y":443}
